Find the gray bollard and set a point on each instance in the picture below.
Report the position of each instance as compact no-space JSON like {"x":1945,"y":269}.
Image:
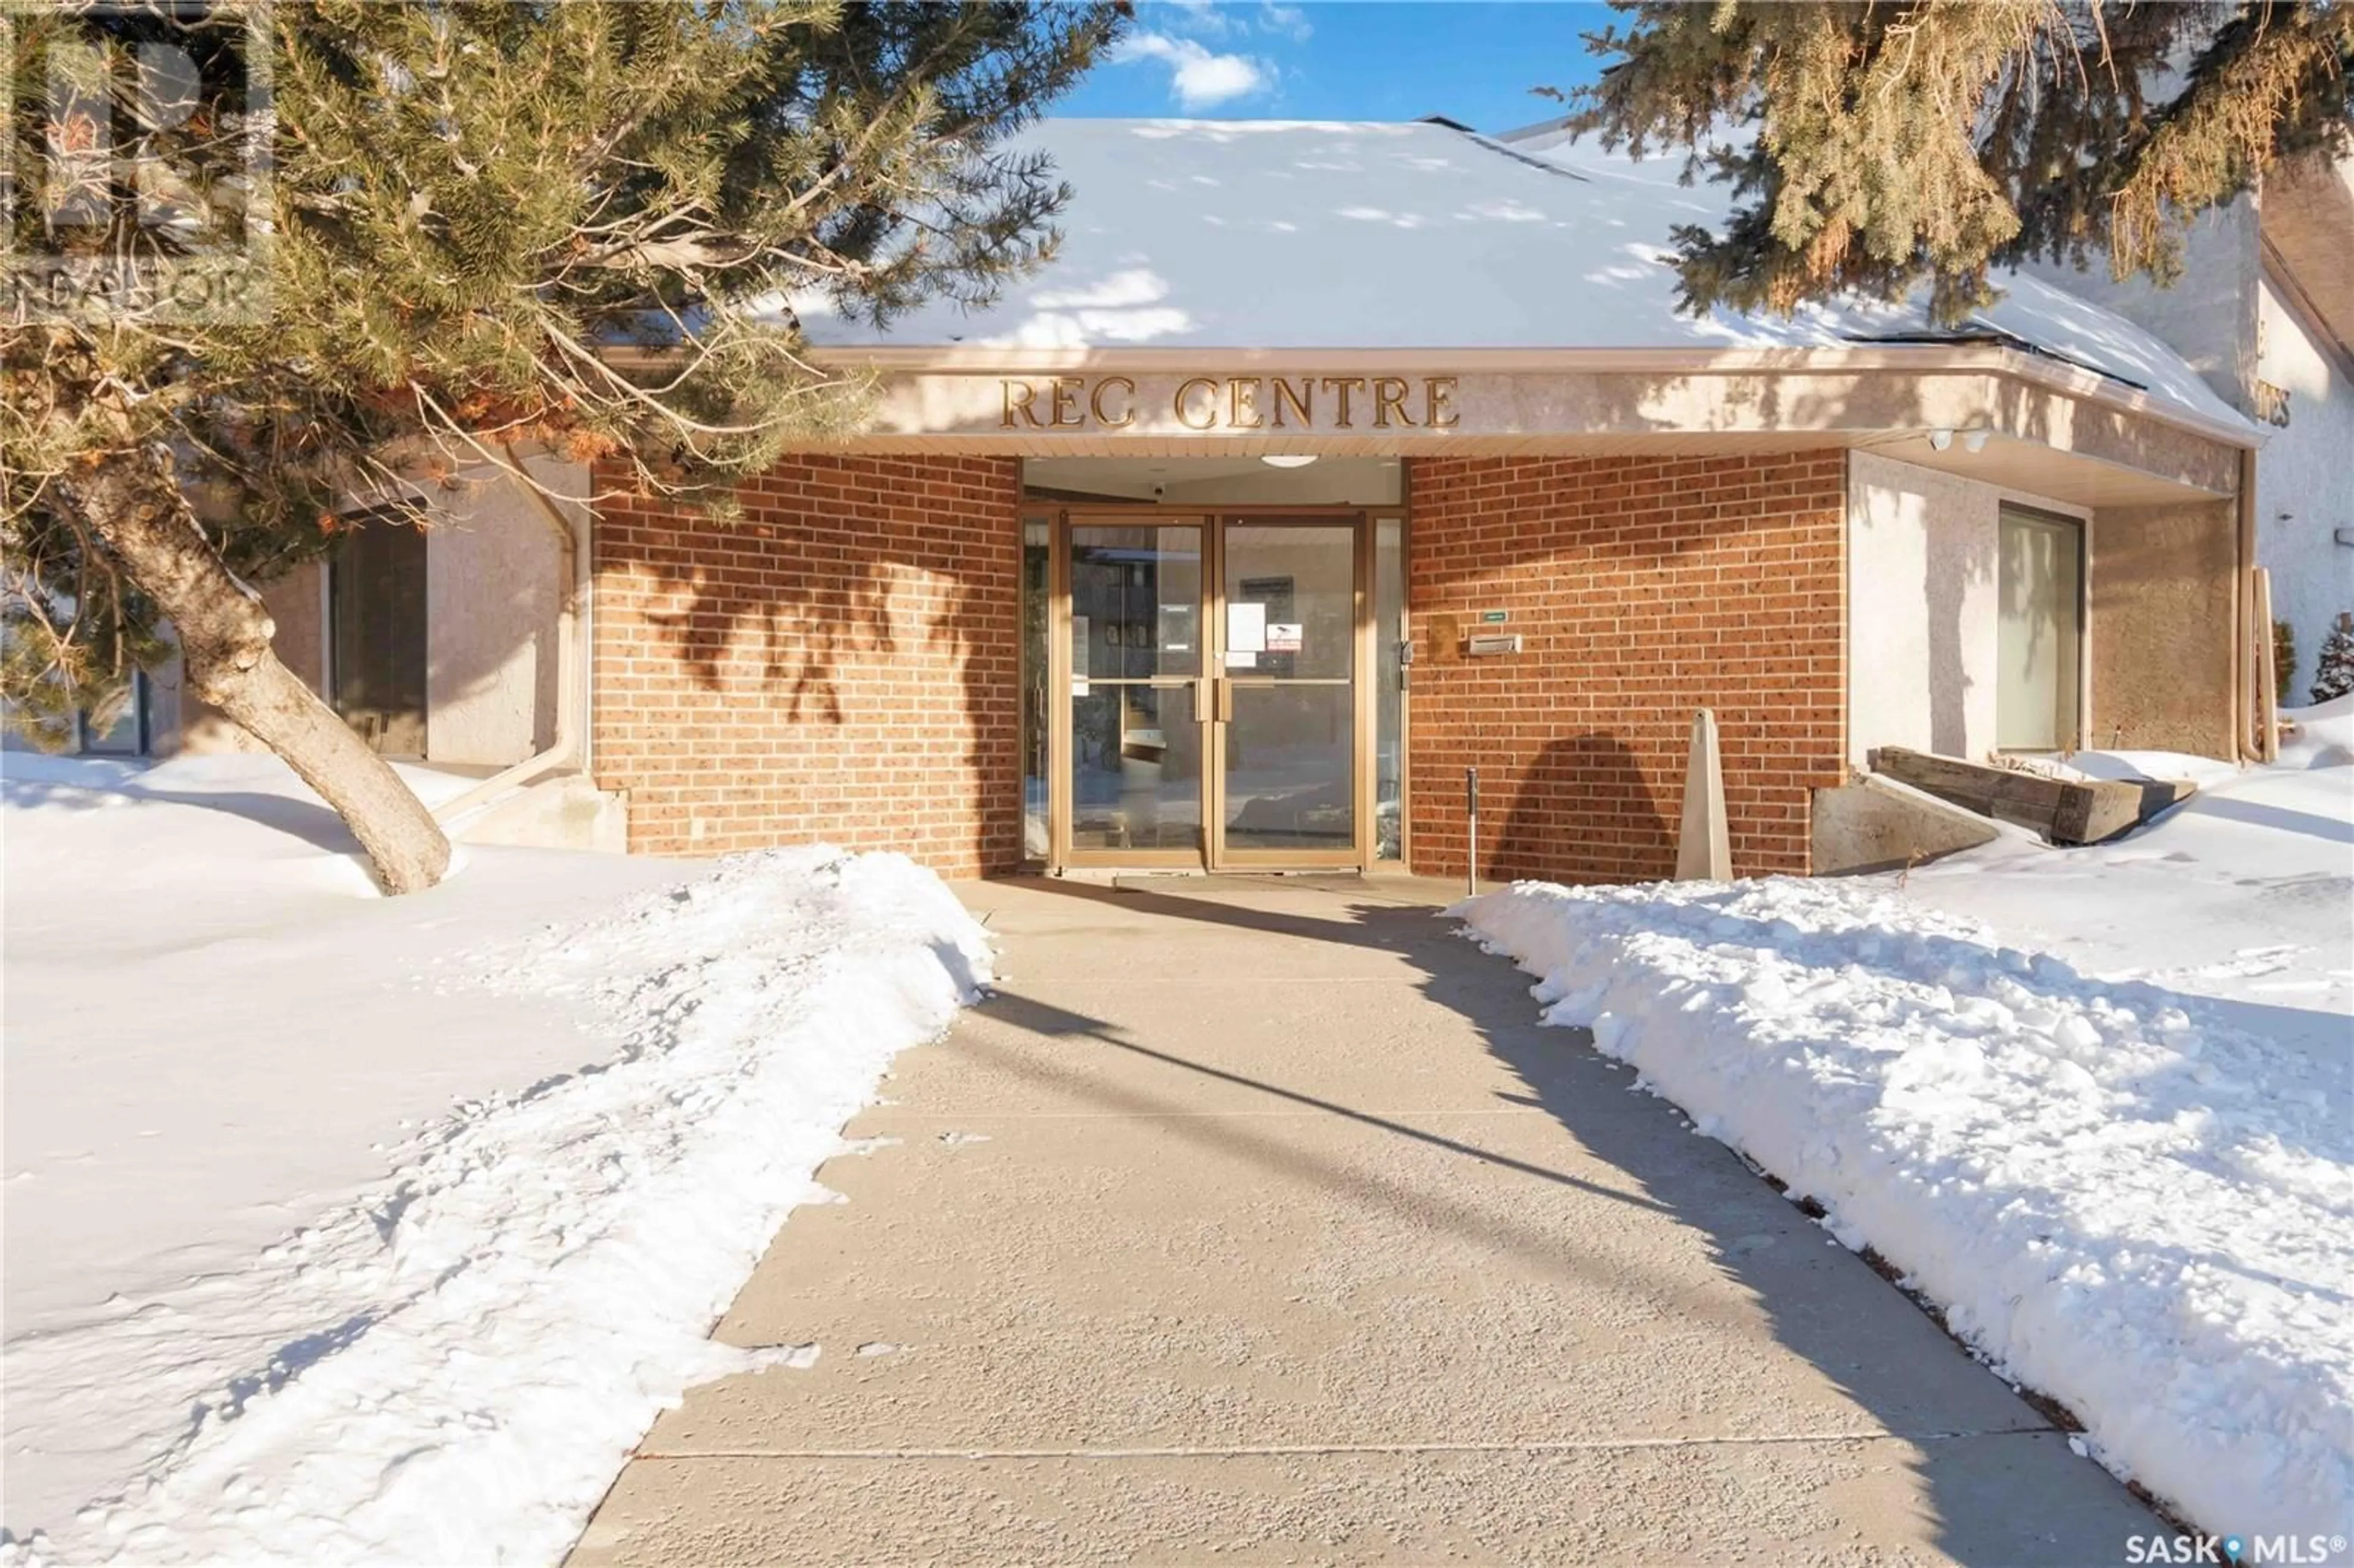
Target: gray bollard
{"x":1471,"y":818}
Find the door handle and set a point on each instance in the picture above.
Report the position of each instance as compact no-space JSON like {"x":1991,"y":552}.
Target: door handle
{"x":1214,"y":700}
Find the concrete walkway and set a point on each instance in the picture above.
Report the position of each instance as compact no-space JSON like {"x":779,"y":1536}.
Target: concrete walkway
{"x":1258,"y":1222}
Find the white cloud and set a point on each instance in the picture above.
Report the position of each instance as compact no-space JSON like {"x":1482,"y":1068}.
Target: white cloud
{"x":1290,"y":20}
{"x":1220,"y":18}
{"x":1129,"y":286}
{"x":1201,"y":16}
{"x":1197,"y":77}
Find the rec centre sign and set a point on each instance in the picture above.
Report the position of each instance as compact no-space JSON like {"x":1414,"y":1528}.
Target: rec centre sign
{"x":1230,"y":403}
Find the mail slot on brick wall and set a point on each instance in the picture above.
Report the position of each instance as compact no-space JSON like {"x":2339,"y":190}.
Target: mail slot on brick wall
{"x":1485,"y":643}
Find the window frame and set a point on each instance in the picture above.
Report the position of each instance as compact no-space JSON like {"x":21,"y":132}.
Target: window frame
{"x":141,"y":729}
{"x":2080,"y":696}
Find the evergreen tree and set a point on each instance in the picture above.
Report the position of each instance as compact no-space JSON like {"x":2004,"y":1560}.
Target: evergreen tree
{"x":1877,"y":144}
{"x":447,"y":231}
{"x":2333,"y":667}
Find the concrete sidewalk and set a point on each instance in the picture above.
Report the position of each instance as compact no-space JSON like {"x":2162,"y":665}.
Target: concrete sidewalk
{"x":1259,"y":1222}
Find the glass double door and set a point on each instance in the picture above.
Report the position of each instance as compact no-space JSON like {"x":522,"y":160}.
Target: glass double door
{"x":1215,"y":712}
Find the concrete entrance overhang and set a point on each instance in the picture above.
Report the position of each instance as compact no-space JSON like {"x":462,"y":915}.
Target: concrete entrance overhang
{"x":1995,"y":414}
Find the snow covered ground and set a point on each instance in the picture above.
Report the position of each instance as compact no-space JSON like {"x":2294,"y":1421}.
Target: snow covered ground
{"x":348,"y":1228}
{"x":2095,"y":1103}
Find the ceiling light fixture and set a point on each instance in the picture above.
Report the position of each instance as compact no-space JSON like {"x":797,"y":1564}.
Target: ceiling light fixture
{"x":1287,"y":460}
{"x":1976,"y":441}
{"x":1940,"y":439}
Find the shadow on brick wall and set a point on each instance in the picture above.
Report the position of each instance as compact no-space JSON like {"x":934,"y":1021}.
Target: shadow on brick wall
{"x":804,"y":636}
{"x":1643,"y":588}
{"x":1585,"y":811}
{"x":838,"y":663}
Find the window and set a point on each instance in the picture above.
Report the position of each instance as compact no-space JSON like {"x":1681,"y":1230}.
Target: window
{"x":126,"y":734}
{"x":1389,"y":691}
{"x":376,"y":631}
{"x":2039,"y":633}
{"x":1037,"y":534}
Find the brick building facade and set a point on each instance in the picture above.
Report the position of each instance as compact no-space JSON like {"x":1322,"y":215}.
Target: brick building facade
{"x":1648,"y":588}
{"x":845,"y":661}
{"x":1185,"y":567}
{"x":1210,"y":566}
{"x":840,"y":665}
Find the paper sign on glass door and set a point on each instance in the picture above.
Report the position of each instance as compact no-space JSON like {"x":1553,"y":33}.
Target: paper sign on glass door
{"x":1245,"y":628}
{"x":1283,"y":636}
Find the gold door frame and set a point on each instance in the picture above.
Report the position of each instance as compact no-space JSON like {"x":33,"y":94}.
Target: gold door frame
{"x":1357,"y":856}
{"x":1208,"y":688}
{"x":1058,"y":663}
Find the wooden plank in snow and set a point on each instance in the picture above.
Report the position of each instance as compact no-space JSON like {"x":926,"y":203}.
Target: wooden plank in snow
{"x":2065,"y":810}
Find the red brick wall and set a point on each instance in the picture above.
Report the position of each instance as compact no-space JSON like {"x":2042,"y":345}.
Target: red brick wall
{"x":840,"y":665}
{"x":1644,"y":589}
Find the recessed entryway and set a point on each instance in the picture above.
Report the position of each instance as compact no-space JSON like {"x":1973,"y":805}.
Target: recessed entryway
{"x":1218,"y":685}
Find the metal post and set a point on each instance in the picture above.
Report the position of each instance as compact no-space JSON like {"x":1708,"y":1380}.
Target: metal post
{"x":1471,"y":817}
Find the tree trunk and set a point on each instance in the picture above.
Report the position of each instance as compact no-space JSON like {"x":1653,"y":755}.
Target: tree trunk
{"x":133,"y":502}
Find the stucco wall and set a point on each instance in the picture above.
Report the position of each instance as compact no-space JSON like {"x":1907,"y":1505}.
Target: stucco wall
{"x":1922,"y":622}
{"x":2159,"y":637}
{"x":2305,"y":486}
{"x":495,"y":584}
{"x":297,"y":607}
{"x":1924,"y":592}
{"x":2226,"y":319}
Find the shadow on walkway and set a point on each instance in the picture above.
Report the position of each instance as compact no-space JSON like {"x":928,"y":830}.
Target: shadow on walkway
{"x":2024,"y":1501}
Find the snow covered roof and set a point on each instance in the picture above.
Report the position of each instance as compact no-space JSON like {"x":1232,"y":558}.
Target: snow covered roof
{"x":1295,"y":235}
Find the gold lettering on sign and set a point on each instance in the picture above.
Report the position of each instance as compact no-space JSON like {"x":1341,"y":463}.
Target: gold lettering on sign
{"x":1242,"y":404}
{"x":1184,"y":407}
{"x":1297,"y":401}
{"x":1340,"y":385}
{"x":1206,"y":403}
{"x":1438,"y":398}
{"x":1018,"y":397}
{"x":1128,"y":393}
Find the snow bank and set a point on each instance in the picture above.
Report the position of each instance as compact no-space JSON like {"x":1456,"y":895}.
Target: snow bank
{"x":2324,"y":735}
{"x":446,"y":1363}
{"x":2123,"y":1195}
{"x":2244,"y":891}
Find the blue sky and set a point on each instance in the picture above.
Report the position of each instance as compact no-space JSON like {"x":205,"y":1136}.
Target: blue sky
{"x":1471,"y":60}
